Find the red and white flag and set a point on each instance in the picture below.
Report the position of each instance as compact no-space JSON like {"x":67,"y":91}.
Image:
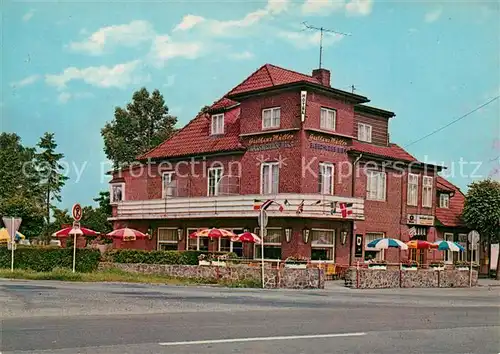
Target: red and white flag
{"x":346,"y":209}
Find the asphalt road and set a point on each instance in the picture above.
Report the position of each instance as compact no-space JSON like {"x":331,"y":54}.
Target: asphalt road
{"x":53,"y":317}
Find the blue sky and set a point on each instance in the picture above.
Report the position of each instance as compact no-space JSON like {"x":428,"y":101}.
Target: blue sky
{"x":66,"y":65}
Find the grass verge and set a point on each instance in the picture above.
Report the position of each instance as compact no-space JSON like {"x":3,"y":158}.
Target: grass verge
{"x":118,"y":275}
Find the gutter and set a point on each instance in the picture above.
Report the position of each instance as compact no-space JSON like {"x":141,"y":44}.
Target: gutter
{"x":352,"y":194}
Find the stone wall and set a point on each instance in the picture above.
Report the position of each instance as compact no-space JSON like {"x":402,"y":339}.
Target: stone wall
{"x":421,"y":278}
{"x":273,"y":278}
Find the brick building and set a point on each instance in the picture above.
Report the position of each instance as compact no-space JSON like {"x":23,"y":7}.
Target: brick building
{"x":322,"y":154}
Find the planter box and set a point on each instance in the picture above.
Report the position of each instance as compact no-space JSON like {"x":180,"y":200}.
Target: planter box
{"x":437,"y":268}
{"x":410,"y":268}
{"x":463,"y":268}
{"x":204,"y":263}
{"x":377,"y":266}
{"x":296,"y":266}
{"x":218,"y":263}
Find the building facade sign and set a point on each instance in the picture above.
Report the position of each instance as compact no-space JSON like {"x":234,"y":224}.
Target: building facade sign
{"x":327,"y":139}
{"x":303,"y":103}
{"x":327,"y":143}
{"x":358,"y":251}
{"x":275,"y":141}
{"x":416,"y":219}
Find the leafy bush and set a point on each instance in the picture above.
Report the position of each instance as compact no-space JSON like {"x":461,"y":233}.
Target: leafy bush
{"x":159,"y":257}
{"x":46,"y":259}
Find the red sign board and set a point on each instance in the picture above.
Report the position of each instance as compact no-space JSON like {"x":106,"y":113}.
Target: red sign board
{"x":77,"y":212}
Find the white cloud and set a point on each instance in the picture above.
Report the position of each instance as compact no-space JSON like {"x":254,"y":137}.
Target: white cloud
{"x":322,"y":7}
{"x":164,"y":48}
{"x":359,"y":7}
{"x":189,"y":21}
{"x":129,"y":35}
{"x":64,"y":97}
{"x":170,"y":81}
{"x":241,"y":55}
{"x":433,"y":15}
{"x":28,"y":15}
{"x":118,"y":76}
{"x":304,"y":40}
{"x":26,"y":81}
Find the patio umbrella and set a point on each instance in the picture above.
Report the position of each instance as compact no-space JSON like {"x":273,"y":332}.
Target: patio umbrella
{"x":449,"y":246}
{"x":420,"y":244}
{"x":67,"y":231}
{"x":5,"y":237}
{"x":127,"y":234}
{"x":246,"y":237}
{"x":385,"y":243}
{"x":212,"y":233}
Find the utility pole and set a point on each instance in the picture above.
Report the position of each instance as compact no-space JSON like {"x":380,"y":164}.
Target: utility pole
{"x":321,"y":30}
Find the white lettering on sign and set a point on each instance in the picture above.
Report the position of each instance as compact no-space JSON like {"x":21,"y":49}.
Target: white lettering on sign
{"x":303,"y":103}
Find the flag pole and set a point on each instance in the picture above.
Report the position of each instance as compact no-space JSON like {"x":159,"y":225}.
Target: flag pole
{"x":261,"y":231}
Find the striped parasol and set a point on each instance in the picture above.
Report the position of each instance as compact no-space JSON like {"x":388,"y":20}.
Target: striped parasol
{"x":246,"y":237}
{"x":385,"y":243}
{"x":420,"y":244}
{"x":127,"y":234}
{"x":213,"y":233}
{"x":449,"y":246}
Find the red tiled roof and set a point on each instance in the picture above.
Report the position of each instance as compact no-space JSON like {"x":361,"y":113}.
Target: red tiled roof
{"x":269,"y":75}
{"x":451,"y":216}
{"x":224,"y":102}
{"x":195,"y":138}
{"x":392,"y":151}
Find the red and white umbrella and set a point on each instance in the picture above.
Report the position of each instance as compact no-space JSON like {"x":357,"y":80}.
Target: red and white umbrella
{"x":212,"y":233}
{"x":67,"y":231}
{"x":246,"y":237}
{"x":127,"y":234}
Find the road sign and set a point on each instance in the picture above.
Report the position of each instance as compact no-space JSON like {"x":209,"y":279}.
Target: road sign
{"x":12,"y":225}
{"x":265,"y":219}
{"x":473,"y":237}
{"x":77,"y":212}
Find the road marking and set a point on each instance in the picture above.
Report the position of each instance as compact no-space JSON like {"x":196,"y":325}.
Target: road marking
{"x":257,"y":339}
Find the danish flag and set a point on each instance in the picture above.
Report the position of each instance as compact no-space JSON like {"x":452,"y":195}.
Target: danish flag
{"x":346,"y":209}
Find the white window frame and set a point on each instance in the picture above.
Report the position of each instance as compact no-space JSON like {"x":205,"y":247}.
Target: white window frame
{"x":427,"y":182}
{"x":111,"y":194}
{"x":380,"y":183}
{"x":462,"y":241}
{"x":381,"y":253}
{"x":167,"y":191}
{"x":444,"y":200}
{"x":255,"y":246}
{"x":274,"y":119}
{"x":324,"y":167}
{"x":217,"y":182}
{"x":412,"y":189}
{"x":332,"y":246}
{"x":231,"y":243}
{"x":324,"y":118}
{"x":270,"y":185}
{"x":189,"y":231}
{"x":158,"y":242}
{"x":365,"y":132}
{"x":448,"y":255}
{"x":217,"y":124}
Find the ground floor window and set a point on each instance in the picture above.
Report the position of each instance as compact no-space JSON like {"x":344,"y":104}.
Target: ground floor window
{"x":226,"y":245}
{"x":448,"y":255}
{"x":417,"y":255}
{"x":198,"y":243}
{"x":462,"y":241}
{"x":322,"y":245}
{"x":167,"y":239}
{"x":272,"y":244}
{"x":370,"y":252}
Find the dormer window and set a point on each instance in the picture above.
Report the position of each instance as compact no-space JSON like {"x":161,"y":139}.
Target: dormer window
{"x":444,"y":200}
{"x":365,"y":132}
{"x":218,"y":124}
{"x":271,"y":118}
{"x":328,"y":118}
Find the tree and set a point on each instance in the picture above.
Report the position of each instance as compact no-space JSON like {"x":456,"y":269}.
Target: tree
{"x":482,"y":212}
{"x":49,"y":168}
{"x":142,"y":125}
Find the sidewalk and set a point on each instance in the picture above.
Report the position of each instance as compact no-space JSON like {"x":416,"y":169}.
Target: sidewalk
{"x":488,"y":282}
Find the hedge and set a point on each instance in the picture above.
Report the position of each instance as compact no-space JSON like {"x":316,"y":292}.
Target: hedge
{"x":155,"y":257}
{"x":45,"y":259}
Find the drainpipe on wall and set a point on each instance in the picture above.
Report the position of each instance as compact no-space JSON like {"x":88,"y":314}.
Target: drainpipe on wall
{"x":353,"y":189}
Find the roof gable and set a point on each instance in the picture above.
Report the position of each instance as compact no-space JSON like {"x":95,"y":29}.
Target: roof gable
{"x":451,"y":216}
{"x":391,"y":151}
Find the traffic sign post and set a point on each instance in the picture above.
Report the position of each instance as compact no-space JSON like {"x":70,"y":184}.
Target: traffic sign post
{"x":262,"y":219}
{"x":473,"y":238}
{"x":12,"y":225}
{"x":76,"y":212}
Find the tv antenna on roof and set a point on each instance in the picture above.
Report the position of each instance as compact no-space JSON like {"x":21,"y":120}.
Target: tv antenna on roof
{"x":321,"y":30}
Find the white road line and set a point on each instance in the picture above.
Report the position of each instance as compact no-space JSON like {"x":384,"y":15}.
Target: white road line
{"x":257,"y":339}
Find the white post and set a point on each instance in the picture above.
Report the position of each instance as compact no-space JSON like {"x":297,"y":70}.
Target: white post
{"x":261,"y":229}
{"x":12,"y":245}
{"x":74,"y":251}
{"x":470,"y":263}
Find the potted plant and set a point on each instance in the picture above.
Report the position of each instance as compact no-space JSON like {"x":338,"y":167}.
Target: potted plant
{"x":436,"y":265}
{"x":204,"y":259}
{"x":296,"y":262}
{"x":377,"y":264}
{"x":409,"y":265}
{"x":462,"y":265}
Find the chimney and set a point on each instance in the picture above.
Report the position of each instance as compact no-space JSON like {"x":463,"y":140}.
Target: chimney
{"x":323,"y":75}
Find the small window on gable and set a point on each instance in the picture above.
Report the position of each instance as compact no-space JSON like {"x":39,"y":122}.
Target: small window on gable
{"x":271,"y":118}
{"x":217,"y":124}
{"x":364,"y":132}
{"x":328,"y":118}
{"x":444,"y":200}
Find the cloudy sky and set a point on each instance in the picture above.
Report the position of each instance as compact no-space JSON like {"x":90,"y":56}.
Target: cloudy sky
{"x":67,"y":64}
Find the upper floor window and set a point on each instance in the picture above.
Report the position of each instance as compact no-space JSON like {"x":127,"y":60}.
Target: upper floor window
{"x":214,"y":177}
{"x":328,"y":118}
{"x":364,"y":132}
{"x":218,"y":124}
{"x":271,"y":117}
{"x":167,"y":184}
{"x":117,"y":192}
{"x":427,"y":192}
{"x":412,"y":192}
{"x":376,"y":185}
{"x":326,"y":178}
{"x":444,"y":200}
{"x":269,"y":177}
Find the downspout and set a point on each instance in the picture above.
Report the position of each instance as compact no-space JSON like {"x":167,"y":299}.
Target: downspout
{"x":353,"y":189}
